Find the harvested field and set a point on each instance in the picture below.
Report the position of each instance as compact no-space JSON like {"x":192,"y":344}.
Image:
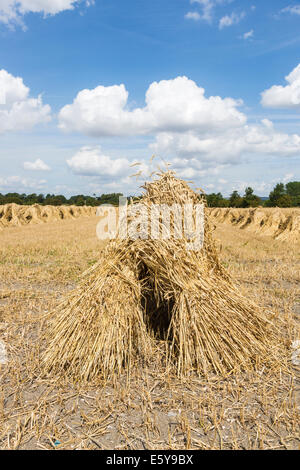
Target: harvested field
{"x":14,"y":215}
{"x":280,"y":224}
{"x":258,"y":409}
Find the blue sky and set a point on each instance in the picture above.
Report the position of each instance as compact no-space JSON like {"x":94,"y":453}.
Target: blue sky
{"x":74,"y":113}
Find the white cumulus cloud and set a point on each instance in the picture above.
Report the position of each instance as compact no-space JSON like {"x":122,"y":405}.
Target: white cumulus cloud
{"x":229,"y":20}
{"x":292,"y":9}
{"x":176,"y":105}
{"x":249,"y":34}
{"x":193,"y":15}
{"x":37,"y":165}
{"x":18,"y":111}
{"x":12,"y":11}
{"x":17,"y":183}
{"x":284,"y":96}
{"x":193,"y":132}
{"x":207,"y":8}
{"x":228,"y":147}
{"x":90,"y":161}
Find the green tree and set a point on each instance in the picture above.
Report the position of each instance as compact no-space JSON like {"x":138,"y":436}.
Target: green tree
{"x":216,"y":200}
{"x":293,"y":190}
{"x":31,"y":199}
{"x":55,"y":200}
{"x":279,"y":198}
{"x":112,"y":198}
{"x":250,"y":199}
{"x":78,"y":200}
{"x":10,"y":198}
{"x":235,"y":200}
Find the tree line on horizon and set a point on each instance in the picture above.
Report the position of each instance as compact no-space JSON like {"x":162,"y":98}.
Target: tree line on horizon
{"x":283,"y":195}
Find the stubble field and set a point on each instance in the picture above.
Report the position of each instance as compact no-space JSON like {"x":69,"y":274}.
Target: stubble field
{"x":39,"y":264}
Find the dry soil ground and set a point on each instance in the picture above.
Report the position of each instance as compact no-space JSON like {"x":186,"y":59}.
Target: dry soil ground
{"x":39,"y":264}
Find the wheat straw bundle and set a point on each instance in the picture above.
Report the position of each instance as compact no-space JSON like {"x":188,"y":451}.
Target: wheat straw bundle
{"x":148,"y":297}
{"x":99,"y":328}
{"x":278,"y":223}
{"x":8,"y":215}
{"x":14,"y":215}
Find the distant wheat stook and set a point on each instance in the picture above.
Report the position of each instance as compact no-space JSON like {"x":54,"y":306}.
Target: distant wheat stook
{"x":155,"y":300}
{"x":14,"y":215}
{"x":278,"y":223}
